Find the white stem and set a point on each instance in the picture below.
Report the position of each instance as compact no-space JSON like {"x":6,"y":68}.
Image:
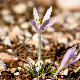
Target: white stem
{"x":29,"y":62}
{"x":57,"y":71}
{"x":39,"y":55}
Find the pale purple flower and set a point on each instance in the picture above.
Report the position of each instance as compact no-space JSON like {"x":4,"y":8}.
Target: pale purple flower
{"x":41,"y":26}
{"x":70,"y":57}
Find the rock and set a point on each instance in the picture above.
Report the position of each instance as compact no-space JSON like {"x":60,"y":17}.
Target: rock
{"x":3,"y":65}
{"x":13,"y":70}
{"x":50,"y":29}
{"x":16,"y":31}
{"x":7,"y":58}
{"x":74,"y":42}
{"x":65,"y":72}
{"x":19,"y":8}
{"x":70,"y":26}
{"x":47,"y":47}
{"x":21,"y":19}
{"x":30,"y":4}
{"x":63,"y":39}
{"x":41,"y":10}
{"x":77,"y":35}
{"x":25,"y":25}
{"x":9,"y":19}
{"x":16,"y":74}
{"x":10,"y":50}
{"x":70,"y":5}
{"x":47,"y":60}
{"x":28,"y":34}
{"x":7,"y":41}
{"x":2,"y":33}
{"x":5,"y":12}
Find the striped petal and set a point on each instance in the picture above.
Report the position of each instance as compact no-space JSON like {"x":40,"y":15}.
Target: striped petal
{"x":51,"y":23}
{"x":36,"y":17}
{"x":47,"y":15}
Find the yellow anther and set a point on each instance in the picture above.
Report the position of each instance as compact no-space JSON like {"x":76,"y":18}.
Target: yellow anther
{"x":39,"y":18}
{"x":71,"y":60}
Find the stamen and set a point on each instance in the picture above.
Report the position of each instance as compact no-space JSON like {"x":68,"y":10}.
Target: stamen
{"x":71,"y":60}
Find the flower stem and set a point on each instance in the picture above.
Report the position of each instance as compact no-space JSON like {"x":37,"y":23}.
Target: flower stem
{"x":39,"y":55}
{"x":57,"y":71}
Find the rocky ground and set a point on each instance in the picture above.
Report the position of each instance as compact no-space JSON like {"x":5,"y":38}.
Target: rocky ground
{"x":19,"y":39}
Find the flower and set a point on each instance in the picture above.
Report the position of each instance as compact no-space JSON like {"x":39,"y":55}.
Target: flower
{"x":44,"y":23}
{"x":70,"y":57}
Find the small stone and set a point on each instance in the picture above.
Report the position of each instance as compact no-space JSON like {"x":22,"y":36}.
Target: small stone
{"x":3,"y":65}
{"x":10,"y":50}
{"x":30,"y":4}
{"x":47,"y":47}
{"x":5,"y":12}
{"x":16,"y":74}
{"x":70,"y":26}
{"x":2,"y":33}
{"x":47,"y":60}
{"x":41,"y":9}
{"x":28,"y":34}
{"x":7,"y":41}
{"x":77,"y":35}
{"x":63,"y":39}
{"x":25,"y":25}
{"x":50,"y":29}
{"x":9,"y":19}
{"x":70,"y":5}
{"x":16,"y":31}
{"x":19,"y":68}
{"x":13,"y":70}
{"x":65,"y":72}
{"x":19,"y":8}
{"x":7,"y":58}
{"x":20,"y":63}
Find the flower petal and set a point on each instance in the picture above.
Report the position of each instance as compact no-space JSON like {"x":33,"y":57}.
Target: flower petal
{"x":34,"y":24}
{"x":77,"y":58}
{"x":67,"y":55}
{"x":73,"y":57}
{"x":47,"y":15}
{"x":51,"y":23}
{"x":36,"y":17}
{"x":27,"y":15}
{"x":44,"y":24}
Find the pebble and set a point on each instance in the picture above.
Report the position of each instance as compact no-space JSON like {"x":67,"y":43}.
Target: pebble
{"x":65,"y":72}
{"x":70,"y":5}
{"x":5,"y":12}
{"x":63,"y":39}
{"x":28,"y":34}
{"x":7,"y":58}
{"x":30,"y":4}
{"x":19,"y":68}
{"x":9,"y":19}
{"x":47,"y":47}
{"x":16,"y":74}
{"x":3,"y":65}
{"x":7,"y":41}
{"x":9,"y":50}
{"x":16,"y":31}
{"x":47,"y":60}
{"x":2,"y":33}
{"x":50,"y":29}
{"x":13,"y":70}
{"x":70,"y":26}
{"x":77,"y":35}
{"x":19,"y":8}
{"x":24,"y":25}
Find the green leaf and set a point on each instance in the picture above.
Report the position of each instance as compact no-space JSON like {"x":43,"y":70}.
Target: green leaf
{"x":49,"y":66}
